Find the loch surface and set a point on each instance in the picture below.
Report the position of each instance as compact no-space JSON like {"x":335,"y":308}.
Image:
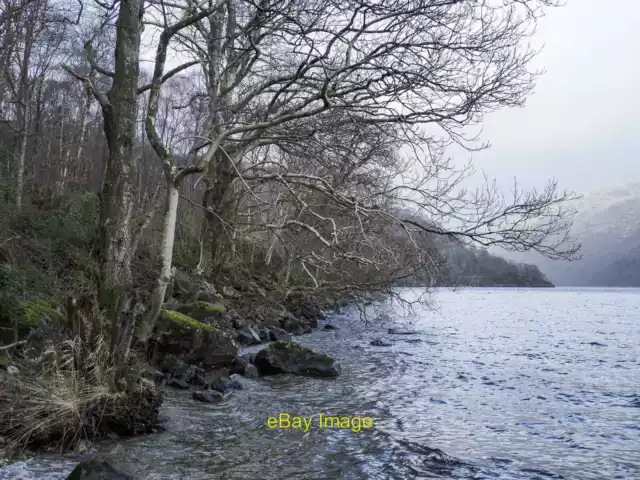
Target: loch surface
{"x":493,"y":384}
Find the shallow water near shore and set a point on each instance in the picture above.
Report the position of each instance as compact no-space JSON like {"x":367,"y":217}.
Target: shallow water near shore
{"x":495,"y":383}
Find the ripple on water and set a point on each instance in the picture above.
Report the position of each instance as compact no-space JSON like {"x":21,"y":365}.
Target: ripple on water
{"x":505,"y":383}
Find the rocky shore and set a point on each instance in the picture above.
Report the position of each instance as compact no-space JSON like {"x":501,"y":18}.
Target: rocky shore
{"x":197,"y":346}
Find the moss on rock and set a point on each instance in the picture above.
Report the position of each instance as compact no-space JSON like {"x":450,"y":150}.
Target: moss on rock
{"x":200,"y":310}
{"x":181,"y":320}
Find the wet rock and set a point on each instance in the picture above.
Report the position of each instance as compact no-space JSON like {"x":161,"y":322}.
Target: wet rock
{"x":329,"y":326}
{"x":222,"y":385}
{"x":96,"y":469}
{"x":276,"y":334}
{"x":272,"y":318}
{"x":296,"y":327}
{"x":176,"y":368}
{"x":400,"y":331}
{"x":251,"y":371}
{"x":249,"y":357}
{"x":249,"y":336}
{"x":208,"y":396}
{"x":178,"y":383}
{"x":378,"y":342}
{"x":214,"y":376}
{"x":265,"y":334}
{"x":291,"y":357}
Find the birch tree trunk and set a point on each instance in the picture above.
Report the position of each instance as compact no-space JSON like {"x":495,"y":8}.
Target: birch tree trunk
{"x":166,"y":255}
{"x":23,"y":110}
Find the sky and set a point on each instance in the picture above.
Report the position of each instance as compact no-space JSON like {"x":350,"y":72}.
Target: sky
{"x":581,"y":125}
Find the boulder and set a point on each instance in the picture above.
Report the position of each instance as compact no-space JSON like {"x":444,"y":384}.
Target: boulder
{"x":183,"y":287}
{"x":276,"y":334}
{"x":248,"y":336}
{"x":329,"y":326}
{"x":291,"y":357}
{"x":221,"y":384}
{"x":272,"y":318}
{"x":238,"y":365}
{"x":197,"y":343}
{"x":250,"y":371}
{"x":295,"y":326}
{"x":200,"y":310}
{"x":378,"y":342}
{"x":208,"y":396}
{"x":178,"y":383}
{"x":96,"y":469}
{"x":265,"y":334}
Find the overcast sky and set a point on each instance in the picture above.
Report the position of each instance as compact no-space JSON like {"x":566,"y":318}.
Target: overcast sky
{"x":582,"y":124}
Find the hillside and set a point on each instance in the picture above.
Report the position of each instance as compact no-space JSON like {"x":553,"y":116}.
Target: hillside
{"x":608,"y":225}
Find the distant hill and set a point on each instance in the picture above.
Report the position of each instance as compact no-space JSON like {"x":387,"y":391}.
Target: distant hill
{"x":608,"y":225}
{"x":474,"y":267}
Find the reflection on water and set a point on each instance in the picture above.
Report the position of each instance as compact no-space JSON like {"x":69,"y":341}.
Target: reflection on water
{"x":495,"y":383}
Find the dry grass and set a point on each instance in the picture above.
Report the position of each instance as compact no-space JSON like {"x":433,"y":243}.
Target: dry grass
{"x":66,"y":397}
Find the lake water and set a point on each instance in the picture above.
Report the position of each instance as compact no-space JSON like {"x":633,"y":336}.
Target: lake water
{"x":496,"y":384}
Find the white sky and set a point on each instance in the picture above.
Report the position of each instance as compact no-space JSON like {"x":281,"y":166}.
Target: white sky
{"x":582,"y":124}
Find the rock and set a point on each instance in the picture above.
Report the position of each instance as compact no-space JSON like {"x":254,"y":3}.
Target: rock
{"x":399,"y":331}
{"x":95,"y":469}
{"x":255,"y":334}
{"x":171,"y":304}
{"x":276,"y":334}
{"x":329,"y":326}
{"x":250,"y":371}
{"x":207,"y":397}
{"x":272,"y":318}
{"x":178,"y":383}
{"x":156,"y":375}
{"x":291,"y":357}
{"x":201,"y":310}
{"x":238,"y":365}
{"x":239,"y":323}
{"x":214,"y":376}
{"x":413,"y":340}
{"x":206,"y":297}
{"x":248,"y":357}
{"x":295,"y":326}
{"x":246,"y":337}
{"x":265,"y":334}
{"x":183,"y":285}
{"x":11,"y":370}
{"x":197,"y":343}
{"x":221,"y":384}
{"x":378,"y":342}
{"x":176,"y":368}
{"x":230,"y":292}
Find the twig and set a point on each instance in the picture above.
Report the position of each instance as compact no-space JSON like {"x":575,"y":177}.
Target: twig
{"x":11,"y":345}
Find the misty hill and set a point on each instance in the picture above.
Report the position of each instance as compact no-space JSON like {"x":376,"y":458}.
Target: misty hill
{"x":467,"y":266}
{"x":608,"y":225}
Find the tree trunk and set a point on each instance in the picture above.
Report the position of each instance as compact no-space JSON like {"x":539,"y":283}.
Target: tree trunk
{"x":117,"y":199}
{"x":166,"y":254}
{"x":24,"y":112}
